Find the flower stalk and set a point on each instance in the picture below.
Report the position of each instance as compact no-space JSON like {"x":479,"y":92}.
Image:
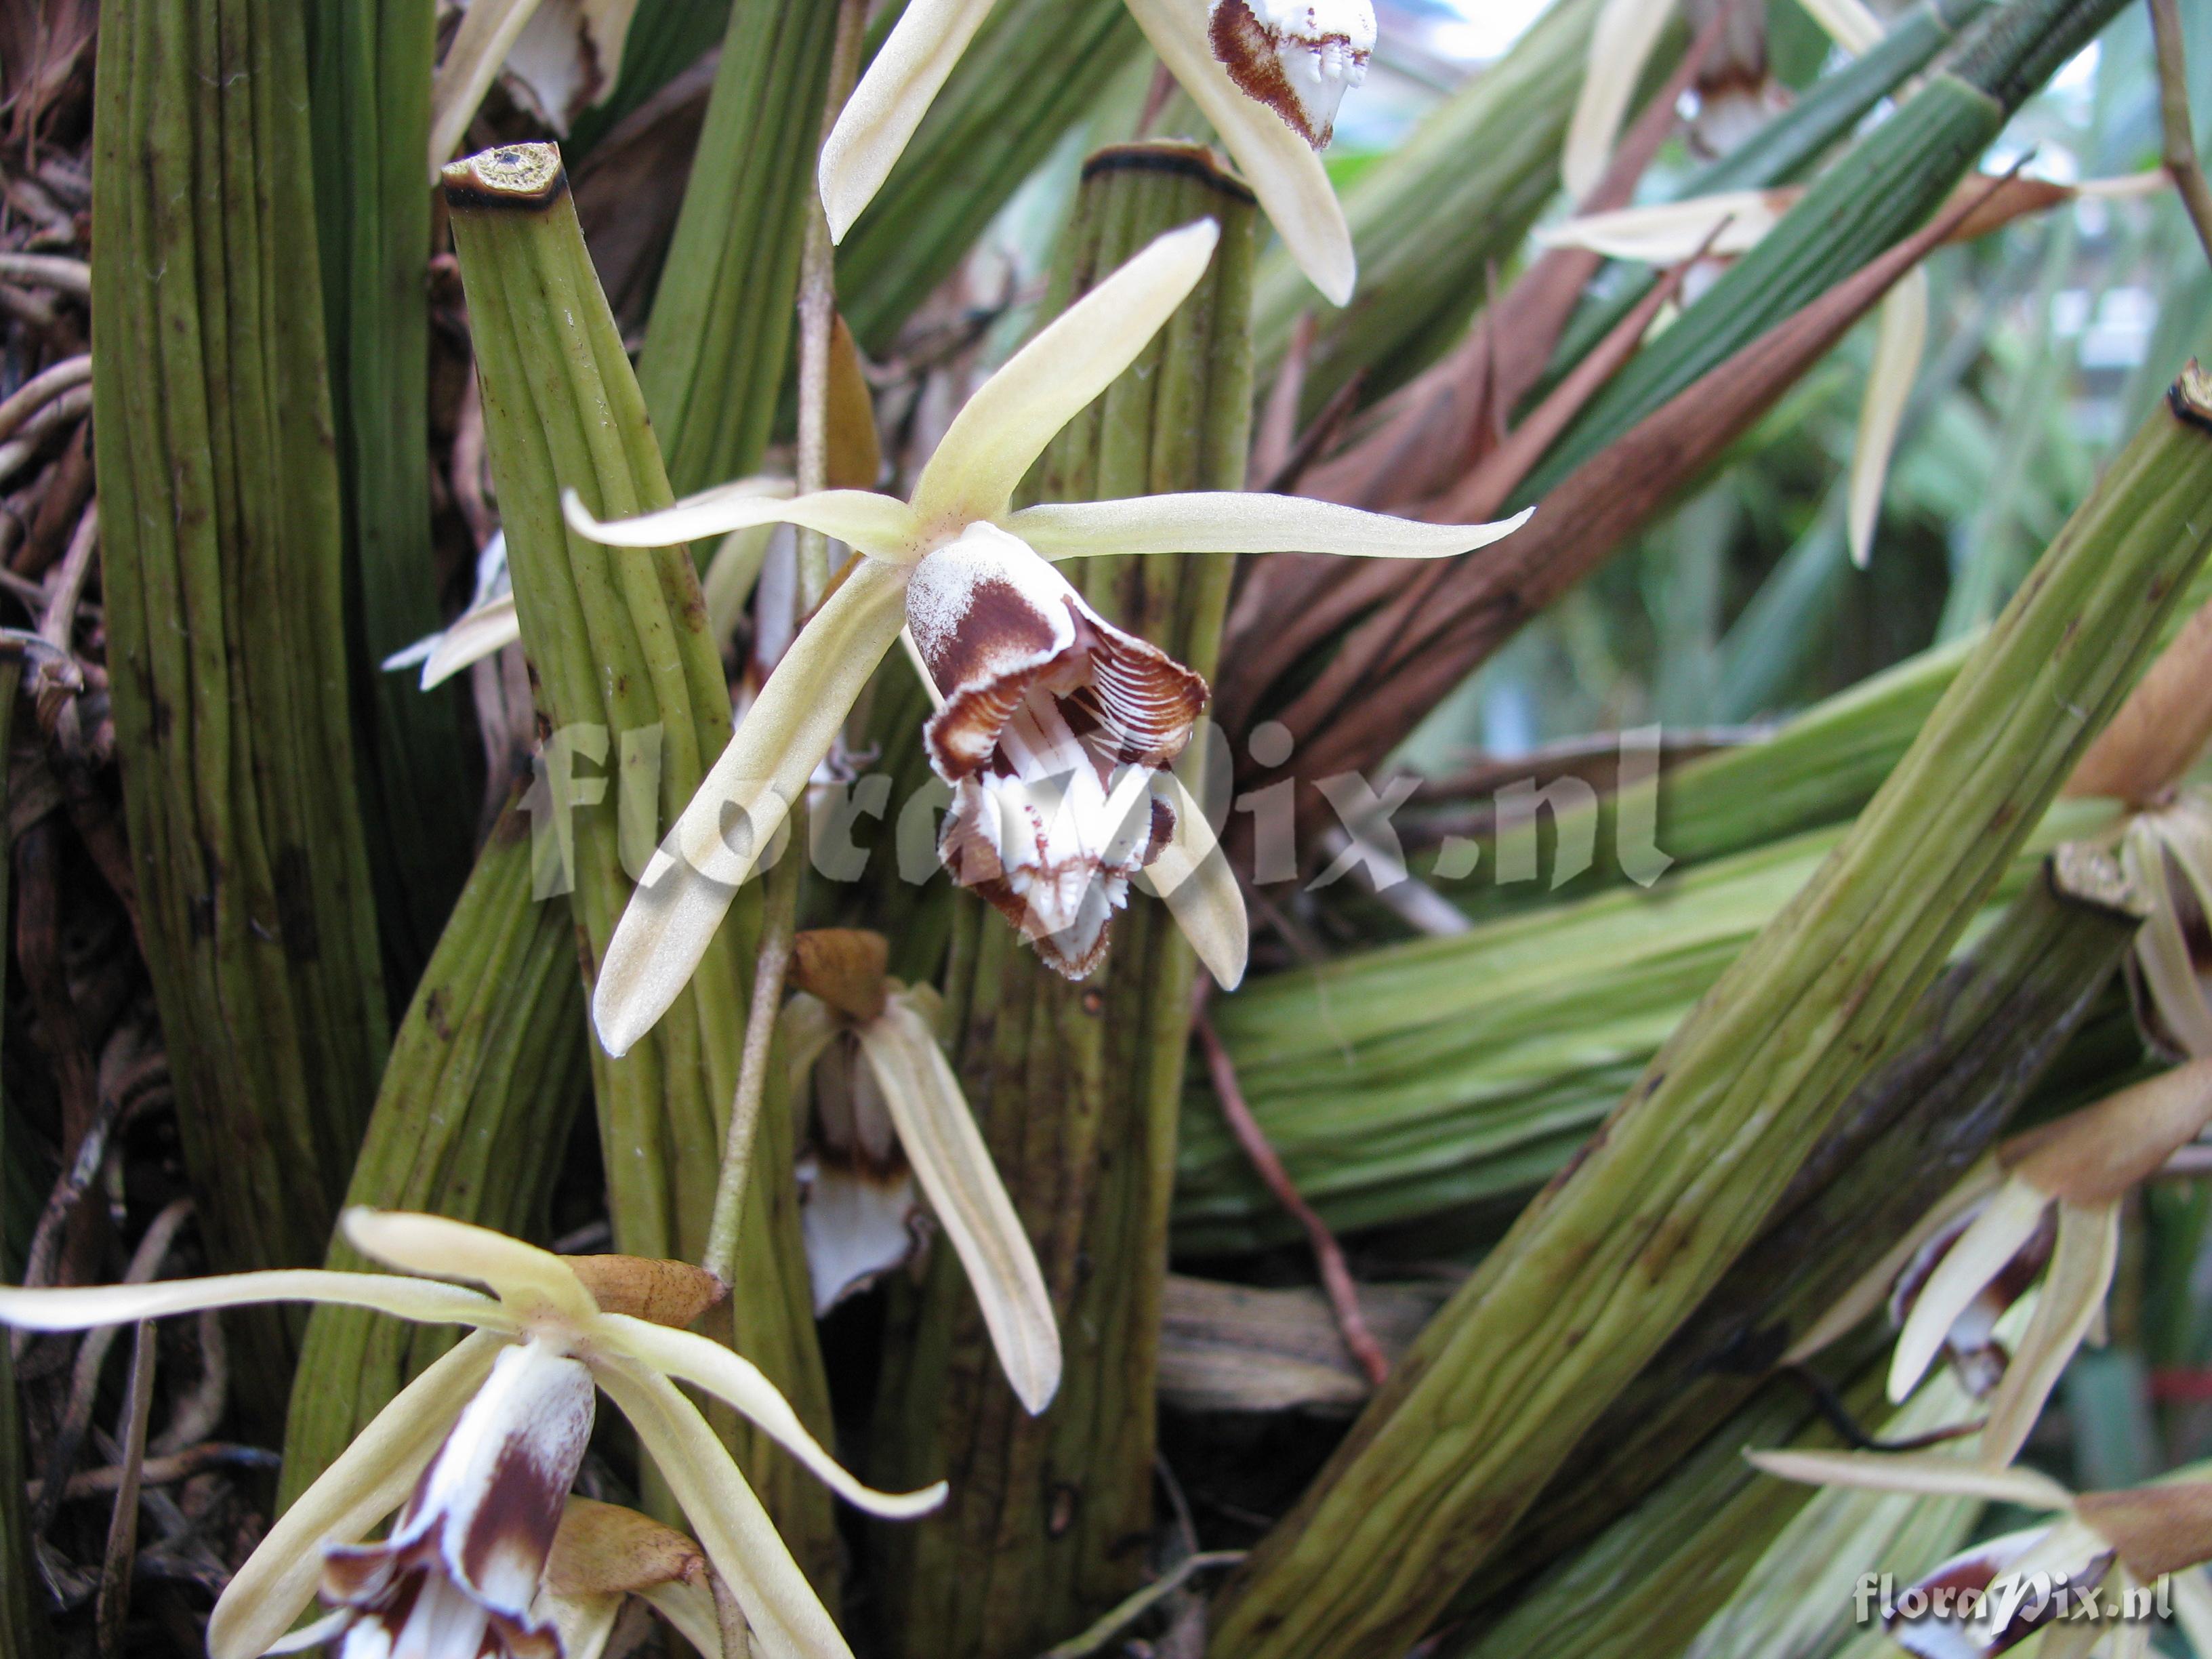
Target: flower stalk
{"x":221,"y":531}
{"x":1091,"y":1177}
{"x":618,"y":643}
{"x":1601,"y":1269}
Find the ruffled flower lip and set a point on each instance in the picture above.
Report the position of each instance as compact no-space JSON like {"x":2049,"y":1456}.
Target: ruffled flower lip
{"x":1295,"y":57}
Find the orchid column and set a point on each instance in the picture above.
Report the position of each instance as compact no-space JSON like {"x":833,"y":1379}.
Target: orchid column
{"x":1077,"y":1083}
{"x":630,"y":683}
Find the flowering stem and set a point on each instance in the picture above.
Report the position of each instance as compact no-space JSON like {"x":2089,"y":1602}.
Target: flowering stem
{"x":1328,"y":1254}
{"x":817,"y":305}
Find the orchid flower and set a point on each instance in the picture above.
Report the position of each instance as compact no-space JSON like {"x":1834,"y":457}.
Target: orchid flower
{"x":1268,"y":74}
{"x":479,"y":1452}
{"x":2047,"y":1202}
{"x":1048,"y":708}
{"x":1998,"y":1593}
{"x":857,"y":1221}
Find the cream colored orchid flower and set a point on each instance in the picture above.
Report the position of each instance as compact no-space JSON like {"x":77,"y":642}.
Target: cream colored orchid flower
{"x":2104,"y":1547}
{"x":855,"y":1222}
{"x":1049,"y":709}
{"x":2046,"y":1202}
{"x":1268,"y":74}
{"x":482,"y":1447}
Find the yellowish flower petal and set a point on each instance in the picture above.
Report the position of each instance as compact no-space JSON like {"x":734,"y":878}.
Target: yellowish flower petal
{"x":370,"y":1478}
{"x":954,"y":1166}
{"x":787,"y":1619}
{"x":1620,"y":44}
{"x":582,"y":1622}
{"x":1285,"y":173}
{"x":2161,"y":949}
{"x":1004,"y":427}
{"x":881,"y":116}
{"x":1224,"y":521}
{"x":1192,"y":876}
{"x":1726,"y":223}
{"x":77,"y":1309}
{"x":805,"y":1026}
{"x":690,"y":1608}
{"x":1991,"y":1239}
{"x":2074,"y":1288}
{"x":436,"y":1246}
{"x":1915,"y":1472}
{"x":474,"y":635}
{"x":689,"y":882}
{"x":878,"y":525}
{"x":1901,"y":336}
{"x":690,"y":1358}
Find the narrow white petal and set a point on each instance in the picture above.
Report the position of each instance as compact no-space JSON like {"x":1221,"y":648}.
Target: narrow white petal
{"x":1226,"y":521}
{"x":438,"y":1246}
{"x":1721,"y":225}
{"x":2073,"y":1294}
{"x":1850,"y":24}
{"x":2161,"y":949}
{"x":370,"y":1478}
{"x":880,"y":526}
{"x":1620,"y":44}
{"x":488,"y":32}
{"x":583,"y":1622}
{"x":1990,"y":1240}
{"x":954,"y":1166}
{"x":79,"y":1309}
{"x":2192,"y":1608}
{"x":804,"y":1025}
{"x":474,"y":635}
{"x":1900,"y":337}
{"x":317,"y":1631}
{"x":1004,"y":427}
{"x":690,"y":1608}
{"x":690,"y":1357}
{"x":1285,"y":173}
{"x":1915,"y":1472}
{"x":787,"y":1619}
{"x":673,"y":916}
{"x":1193,"y":876}
{"x":878,"y":119}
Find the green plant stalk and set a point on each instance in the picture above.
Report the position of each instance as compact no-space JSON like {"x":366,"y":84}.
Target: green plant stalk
{"x":1077,"y":1086}
{"x":221,"y":565}
{"x":1029,"y":75}
{"x":369,"y":114}
{"x":1979,"y":1040}
{"x":487,"y":1070}
{"x":718,"y":347}
{"x":1431,"y":219}
{"x":618,"y":642}
{"x":1648,"y":1584}
{"x":1425,"y":1077}
{"x":1607,"y":1261}
{"x":22,"y":1632}
{"x":1885,"y":187}
{"x":1781,"y":151}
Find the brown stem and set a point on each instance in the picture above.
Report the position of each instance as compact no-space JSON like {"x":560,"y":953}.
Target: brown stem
{"x":2181,"y":132}
{"x":114,"y":1602}
{"x":1328,"y":1254}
